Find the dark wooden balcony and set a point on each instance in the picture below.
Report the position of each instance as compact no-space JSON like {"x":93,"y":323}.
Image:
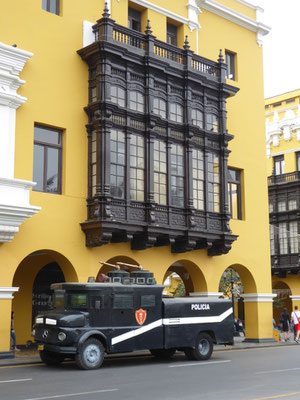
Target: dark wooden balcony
{"x":106,"y":30}
{"x":121,"y":56}
{"x":284,"y":178}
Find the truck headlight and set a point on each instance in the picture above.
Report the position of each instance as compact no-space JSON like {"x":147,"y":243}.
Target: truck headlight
{"x":33,"y":332}
{"x":61,"y":336}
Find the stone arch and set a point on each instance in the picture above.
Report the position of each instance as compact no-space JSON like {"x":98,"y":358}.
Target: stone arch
{"x":190,"y":274}
{"x":24,"y":278}
{"x":246,"y":314}
{"x":248,"y":280}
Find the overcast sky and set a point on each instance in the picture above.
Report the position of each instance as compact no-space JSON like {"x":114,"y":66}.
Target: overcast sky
{"x":281,"y":49}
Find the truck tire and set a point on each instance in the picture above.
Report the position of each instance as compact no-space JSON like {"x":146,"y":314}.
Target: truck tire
{"x":50,"y":358}
{"x":203,"y":348}
{"x":90,"y":355}
{"x":163,"y":353}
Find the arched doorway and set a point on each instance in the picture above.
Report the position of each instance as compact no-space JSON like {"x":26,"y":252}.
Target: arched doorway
{"x":104,"y":269}
{"x":184,"y":278}
{"x":282,"y":300}
{"x":34,"y":276}
{"x":232,"y":287}
{"x":41,"y":292}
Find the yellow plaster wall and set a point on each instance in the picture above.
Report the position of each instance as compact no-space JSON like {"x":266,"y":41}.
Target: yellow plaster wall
{"x":5,"y":312}
{"x":57,"y":91}
{"x":239,"y":8}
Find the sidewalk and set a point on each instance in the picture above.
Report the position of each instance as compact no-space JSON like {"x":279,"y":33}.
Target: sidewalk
{"x":29,"y":356}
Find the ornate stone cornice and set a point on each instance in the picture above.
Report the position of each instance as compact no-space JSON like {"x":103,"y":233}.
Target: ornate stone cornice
{"x":237,"y":18}
{"x":14,"y":193}
{"x":282,"y":129}
{"x":14,"y":206}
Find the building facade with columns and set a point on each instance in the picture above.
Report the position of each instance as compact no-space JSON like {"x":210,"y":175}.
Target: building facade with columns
{"x":125,"y":137}
{"x":283,"y":153}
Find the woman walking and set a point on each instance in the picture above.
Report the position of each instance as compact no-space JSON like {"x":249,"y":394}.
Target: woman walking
{"x":285,"y":323}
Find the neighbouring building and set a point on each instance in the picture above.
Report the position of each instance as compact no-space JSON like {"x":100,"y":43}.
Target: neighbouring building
{"x":127,"y":134}
{"x":283,"y":153}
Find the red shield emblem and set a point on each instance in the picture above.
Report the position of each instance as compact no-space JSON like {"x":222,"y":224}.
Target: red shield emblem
{"x":140,"y":316}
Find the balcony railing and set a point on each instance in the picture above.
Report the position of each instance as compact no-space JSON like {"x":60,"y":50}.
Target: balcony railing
{"x":107,"y":30}
{"x":284,"y":178}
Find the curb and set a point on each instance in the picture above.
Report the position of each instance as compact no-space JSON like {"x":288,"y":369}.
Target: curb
{"x":18,"y":361}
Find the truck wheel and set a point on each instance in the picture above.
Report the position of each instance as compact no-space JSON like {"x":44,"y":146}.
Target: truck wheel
{"x":50,"y":358}
{"x":91,"y":355}
{"x":203,"y":349}
{"x":163,"y":353}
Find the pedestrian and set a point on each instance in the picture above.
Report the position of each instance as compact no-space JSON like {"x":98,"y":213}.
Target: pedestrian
{"x":240,"y":326}
{"x":12,"y":333}
{"x":285,"y":325}
{"x":296,"y":319}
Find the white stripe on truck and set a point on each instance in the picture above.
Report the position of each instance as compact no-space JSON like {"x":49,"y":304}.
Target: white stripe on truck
{"x":170,"y":321}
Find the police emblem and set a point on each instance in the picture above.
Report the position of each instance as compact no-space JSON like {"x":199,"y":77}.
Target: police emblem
{"x":140,"y":316}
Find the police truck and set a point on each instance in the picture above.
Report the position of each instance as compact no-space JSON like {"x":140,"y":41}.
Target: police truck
{"x":125,"y":312}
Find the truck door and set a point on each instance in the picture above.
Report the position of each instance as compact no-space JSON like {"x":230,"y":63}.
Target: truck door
{"x":152,"y":335}
{"x":122,"y":322}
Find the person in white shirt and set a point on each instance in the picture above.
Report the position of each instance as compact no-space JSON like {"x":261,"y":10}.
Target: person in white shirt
{"x":296,"y":318}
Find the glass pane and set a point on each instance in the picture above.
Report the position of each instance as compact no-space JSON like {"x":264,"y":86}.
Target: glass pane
{"x":44,"y":5}
{"x":52,"y":170}
{"x":140,"y":196}
{"x":46,"y":135}
{"x":234,"y":199}
{"x":53,"y":7}
{"x":38,"y":167}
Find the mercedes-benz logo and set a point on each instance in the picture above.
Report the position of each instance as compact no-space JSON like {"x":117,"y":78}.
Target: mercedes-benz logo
{"x":45,"y":334}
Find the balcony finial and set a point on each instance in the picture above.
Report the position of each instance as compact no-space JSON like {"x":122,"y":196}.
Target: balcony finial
{"x":106,"y":13}
{"x":221,"y":58}
{"x":148,"y":28}
{"x":186,"y":43}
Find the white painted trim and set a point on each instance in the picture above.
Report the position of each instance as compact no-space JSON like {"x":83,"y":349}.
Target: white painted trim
{"x":13,"y":59}
{"x":169,"y":14}
{"x":14,"y":193}
{"x":88,"y":34}
{"x":206,"y":294}
{"x":280,"y":153}
{"x":236,"y":17}
{"x":7,"y":292}
{"x":258,"y":297}
{"x":247,"y":4}
{"x":269,"y":114}
{"x":295,"y":297}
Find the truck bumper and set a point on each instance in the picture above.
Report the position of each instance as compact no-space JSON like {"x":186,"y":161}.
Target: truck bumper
{"x":57,"y":349}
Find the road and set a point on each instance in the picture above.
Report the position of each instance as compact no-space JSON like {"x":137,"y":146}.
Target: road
{"x":253,"y":374}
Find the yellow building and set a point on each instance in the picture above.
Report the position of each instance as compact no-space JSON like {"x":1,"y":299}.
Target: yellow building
{"x":134,"y":131}
{"x":283,"y":153}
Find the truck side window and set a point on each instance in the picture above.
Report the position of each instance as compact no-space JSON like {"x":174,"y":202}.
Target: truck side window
{"x":97,"y":302}
{"x":148,"y":300}
{"x":78,"y":300}
{"x":123,"y":301}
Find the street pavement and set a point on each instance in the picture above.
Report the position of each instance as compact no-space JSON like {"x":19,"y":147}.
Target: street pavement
{"x":31,"y":356}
